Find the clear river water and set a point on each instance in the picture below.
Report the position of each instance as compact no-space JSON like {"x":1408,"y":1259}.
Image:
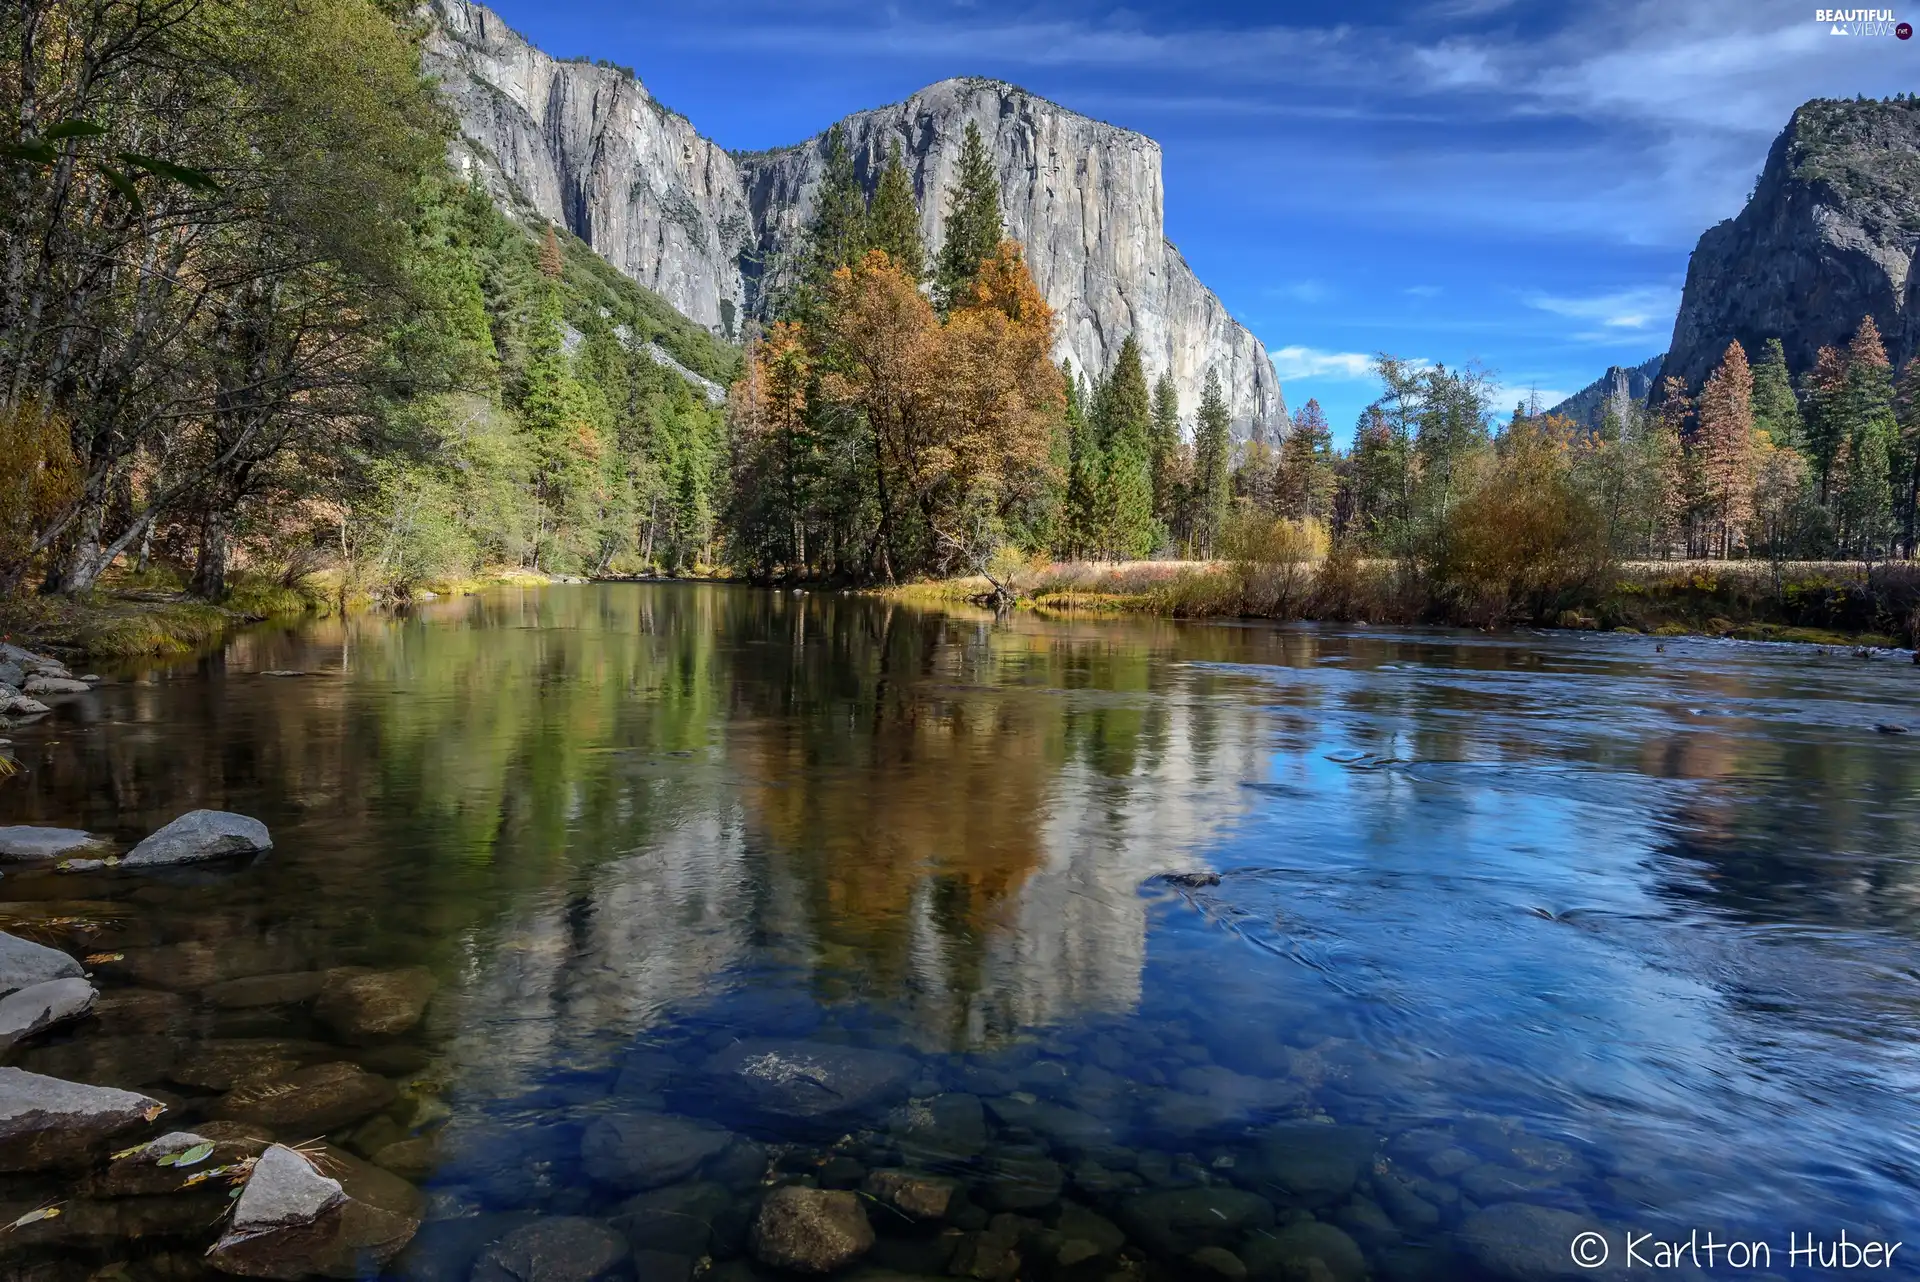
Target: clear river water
{"x":1473,"y":943}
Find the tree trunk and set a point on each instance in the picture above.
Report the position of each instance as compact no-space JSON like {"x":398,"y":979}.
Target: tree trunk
{"x":210,"y":567}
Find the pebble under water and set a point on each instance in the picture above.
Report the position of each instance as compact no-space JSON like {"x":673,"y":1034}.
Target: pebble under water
{"x":643,"y":932}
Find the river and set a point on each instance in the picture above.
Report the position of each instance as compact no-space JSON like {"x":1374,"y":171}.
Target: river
{"x":1609,"y":927}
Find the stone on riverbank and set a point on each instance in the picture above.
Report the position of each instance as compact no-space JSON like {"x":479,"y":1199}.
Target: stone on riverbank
{"x":20,"y":705}
{"x":363,"y":1005}
{"x":811,"y":1230}
{"x":805,"y":1081}
{"x":24,"y":963}
{"x":40,"y":1006}
{"x":55,"y":685}
{"x":46,"y":1122}
{"x":24,"y":841}
{"x":200,"y":835}
{"x":639,"y":1151}
{"x":366,"y":1218}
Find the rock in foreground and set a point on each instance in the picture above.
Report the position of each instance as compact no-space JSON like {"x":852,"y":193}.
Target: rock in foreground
{"x":46,"y":1122}
{"x":325,"y":1215}
{"x":565,"y":1248}
{"x":24,"y":963}
{"x":364,"y":1005}
{"x":40,"y":1006}
{"x":811,"y":1230}
{"x":24,"y":841}
{"x":200,"y":835}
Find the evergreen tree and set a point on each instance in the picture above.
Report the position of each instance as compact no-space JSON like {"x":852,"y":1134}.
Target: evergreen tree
{"x":561,"y":434}
{"x":1776,"y":411}
{"x":1907,"y":415}
{"x":1086,"y":472}
{"x":973,"y":227}
{"x":1165,"y":443}
{"x":1826,"y":427}
{"x":1866,"y":410}
{"x":1212,"y":463}
{"x":1124,"y":415}
{"x":837,"y":235}
{"x":893,"y":220}
{"x":1306,"y":466}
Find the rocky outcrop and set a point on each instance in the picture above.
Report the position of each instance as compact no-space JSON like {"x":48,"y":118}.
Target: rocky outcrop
{"x":1827,"y":237}
{"x":1620,"y":386}
{"x":588,"y":147}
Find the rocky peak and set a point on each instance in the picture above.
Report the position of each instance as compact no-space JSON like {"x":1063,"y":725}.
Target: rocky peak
{"x":1620,"y":386}
{"x":1828,"y":236}
{"x":586,"y":146}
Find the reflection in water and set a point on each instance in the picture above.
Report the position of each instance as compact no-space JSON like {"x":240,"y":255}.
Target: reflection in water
{"x":1654,"y":906}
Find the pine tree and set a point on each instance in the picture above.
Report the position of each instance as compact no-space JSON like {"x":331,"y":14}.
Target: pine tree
{"x":1086,"y":472}
{"x":1725,"y":444}
{"x":893,"y":220}
{"x":1826,"y":427}
{"x":1123,"y":415}
{"x":560,"y":430}
{"x":1872,"y":434}
{"x":973,"y":226}
{"x":1776,"y":411}
{"x":1907,"y":415}
{"x":1212,"y":464}
{"x":837,"y":235}
{"x":1165,"y":443}
{"x":1306,"y":466}
{"x":1678,"y":475}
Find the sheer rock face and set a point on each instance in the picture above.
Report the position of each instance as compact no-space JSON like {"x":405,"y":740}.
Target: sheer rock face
{"x":713,"y":233}
{"x":1828,"y":236}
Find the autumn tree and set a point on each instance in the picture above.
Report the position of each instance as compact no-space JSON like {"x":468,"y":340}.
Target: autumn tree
{"x":1679,"y":475}
{"x":893,"y":220}
{"x":1725,"y":445}
{"x":772,"y":448}
{"x":973,"y":226}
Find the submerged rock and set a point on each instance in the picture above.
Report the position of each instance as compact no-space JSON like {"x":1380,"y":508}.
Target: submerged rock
{"x":362,"y":1005}
{"x":1289,"y":1254}
{"x":803,"y":1080}
{"x":924,"y":1197}
{"x":338,"y":1218}
{"x":637,"y":1151}
{"x":944,"y":1128}
{"x":811,"y":1230}
{"x":266,"y":990}
{"x":1521,"y":1242}
{"x":46,"y":1122}
{"x":1315,"y":1164}
{"x":24,"y":963}
{"x":40,"y":1006}
{"x":23,"y":841}
{"x":1177,"y":1222}
{"x":562,"y":1249}
{"x":140,"y":1174}
{"x":312,"y":1100}
{"x":200,"y":835}
{"x":681,"y":1219}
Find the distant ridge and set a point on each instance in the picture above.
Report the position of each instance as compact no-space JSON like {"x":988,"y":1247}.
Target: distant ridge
{"x":1588,"y":406}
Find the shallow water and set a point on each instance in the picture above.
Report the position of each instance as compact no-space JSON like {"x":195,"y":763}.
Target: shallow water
{"x":1594,"y":923}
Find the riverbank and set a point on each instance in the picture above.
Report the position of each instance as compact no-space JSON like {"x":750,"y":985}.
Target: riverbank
{"x":1821,"y":603}
{"x":150,"y":616}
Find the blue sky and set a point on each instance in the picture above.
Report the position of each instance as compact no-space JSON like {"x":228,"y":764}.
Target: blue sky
{"x":1513,"y":184}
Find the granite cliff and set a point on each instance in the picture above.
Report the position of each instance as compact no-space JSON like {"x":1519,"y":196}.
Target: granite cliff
{"x":1620,"y":385}
{"x":586,"y":146}
{"x":1828,"y":236}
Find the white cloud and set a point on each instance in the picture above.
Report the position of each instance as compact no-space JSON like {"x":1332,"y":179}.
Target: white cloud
{"x":1299,"y":364}
{"x":1620,"y":313}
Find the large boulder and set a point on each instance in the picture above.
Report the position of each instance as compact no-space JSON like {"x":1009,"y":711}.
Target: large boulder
{"x":811,"y":1230}
{"x":336,"y":1218}
{"x":46,"y":1122}
{"x":638,"y":1151}
{"x":310,"y":1101}
{"x":806,"y":1081}
{"x":200,"y":835}
{"x":20,"y":705}
{"x":366,"y":1005}
{"x":40,"y":1006}
{"x":25,"y":841}
{"x":24,"y":963}
{"x":565,"y":1248}
{"x":55,"y":685}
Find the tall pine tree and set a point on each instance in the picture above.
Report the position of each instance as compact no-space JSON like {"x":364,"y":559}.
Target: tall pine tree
{"x":1725,"y":446}
{"x":837,"y":235}
{"x":1086,"y":472}
{"x":973,"y":227}
{"x":1212,"y":467}
{"x":893,"y":220}
{"x":1306,"y":466}
{"x":1776,"y":411}
{"x":1164,"y":440}
{"x":1872,"y":437}
{"x":1126,"y":427}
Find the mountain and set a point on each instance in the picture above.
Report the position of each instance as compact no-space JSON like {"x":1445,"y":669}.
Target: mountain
{"x":1588,"y":406}
{"x":1828,"y":236}
{"x":586,"y":146}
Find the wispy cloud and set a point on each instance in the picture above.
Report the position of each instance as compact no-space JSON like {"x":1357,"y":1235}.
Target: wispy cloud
{"x":1302,"y":364}
{"x":1622,"y":313}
